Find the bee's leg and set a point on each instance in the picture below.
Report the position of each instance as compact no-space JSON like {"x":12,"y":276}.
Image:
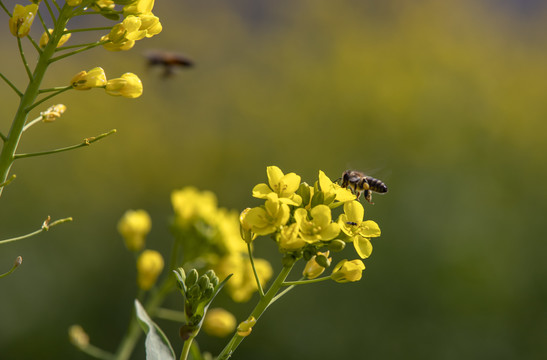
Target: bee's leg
{"x":357,"y":194}
{"x":368,"y":196}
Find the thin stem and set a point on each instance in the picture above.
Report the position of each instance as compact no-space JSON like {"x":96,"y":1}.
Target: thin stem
{"x":74,"y":46}
{"x":86,"y":142}
{"x":98,"y":13}
{"x":303,"y":282}
{"x":258,"y":310}
{"x":4,"y":8}
{"x":16,"y":264}
{"x":45,"y":227}
{"x":50,"y":13}
{"x":260,"y":290}
{"x":8,"y":181}
{"x":186,"y":348}
{"x":196,"y":353}
{"x":87,"y":29}
{"x":36,"y":46}
{"x":43,"y":23}
{"x":11,"y":85}
{"x":29,"y":73}
{"x":39,"y":118}
{"x":56,"y":5}
{"x":78,"y":51}
{"x":58,"y":88}
{"x":48,"y":97}
{"x":3,"y":137}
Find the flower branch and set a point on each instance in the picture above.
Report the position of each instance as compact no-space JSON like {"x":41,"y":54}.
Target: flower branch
{"x":45,"y":227}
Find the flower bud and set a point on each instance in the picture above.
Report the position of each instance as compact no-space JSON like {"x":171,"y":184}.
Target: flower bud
{"x":134,"y":226}
{"x":194,"y":292}
{"x":313,"y":268}
{"x":149,"y":267}
{"x":44,"y":39}
{"x":219,"y":322}
{"x":337,"y":245}
{"x":128,"y":85}
{"x":322,"y":260}
{"x":203,"y":282}
{"x":245,"y":227}
{"x":191,"y":277}
{"x":208,"y":292}
{"x":22,"y":19}
{"x":53,"y":112}
{"x":346,"y":271}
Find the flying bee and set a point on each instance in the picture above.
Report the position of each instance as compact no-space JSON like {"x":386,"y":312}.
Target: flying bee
{"x":360,"y":183}
{"x":168,"y":60}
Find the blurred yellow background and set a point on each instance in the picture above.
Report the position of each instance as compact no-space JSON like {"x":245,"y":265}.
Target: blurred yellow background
{"x":445,"y":101}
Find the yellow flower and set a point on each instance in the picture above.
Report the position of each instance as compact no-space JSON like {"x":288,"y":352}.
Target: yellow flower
{"x":283,"y":185}
{"x":53,"y":112}
{"x":86,"y":80}
{"x":333,"y":190}
{"x":313,"y":269}
{"x":359,"y":231}
{"x":22,"y":18}
{"x":319,"y":227}
{"x":45,"y":38}
{"x":129,"y":86}
{"x":189,"y":204}
{"x":346,"y":271}
{"x":219,"y":322}
{"x":149,"y":267}
{"x":266,"y":220}
{"x":73,"y":2}
{"x":103,"y":5}
{"x":122,"y":45}
{"x":139,"y":7}
{"x":151,"y":25}
{"x":134,"y":226}
{"x":289,"y":238}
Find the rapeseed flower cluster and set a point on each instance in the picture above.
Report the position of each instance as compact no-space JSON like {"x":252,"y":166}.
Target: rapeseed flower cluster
{"x":299,"y":218}
{"x":210,"y":238}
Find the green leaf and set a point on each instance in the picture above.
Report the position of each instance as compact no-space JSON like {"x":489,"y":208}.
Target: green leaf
{"x":156,"y":343}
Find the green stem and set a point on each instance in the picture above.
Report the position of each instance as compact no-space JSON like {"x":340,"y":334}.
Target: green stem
{"x":45,"y":227}
{"x":186,"y":348}
{"x":10,"y":146}
{"x":257,"y":311}
{"x":86,"y":142}
{"x":260,"y":290}
{"x":96,"y":352}
{"x":8,"y":181}
{"x":48,"y":97}
{"x":303,"y":282}
{"x":56,"y":5}
{"x":50,"y":13}
{"x":4,"y":8}
{"x":11,"y":85}
{"x":3,"y":137}
{"x":58,"y":88}
{"x":171,"y":315}
{"x":16,"y":264}
{"x":36,"y":46}
{"x":88,"y":29}
{"x":24,"y":59}
{"x":61,"y":48}
{"x":78,"y":51}
{"x":31,"y":123}
{"x":43,"y":23}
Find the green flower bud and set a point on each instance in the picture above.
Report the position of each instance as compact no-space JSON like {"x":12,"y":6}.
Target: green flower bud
{"x":308,"y":254}
{"x":191,"y":278}
{"x":336,"y":245}
{"x":288,"y":260}
{"x":322,"y":260}
{"x":215,"y":281}
{"x":203,"y":282}
{"x":208,"y":293}
{"x":318,"y":199}
{"x":194,"y":292}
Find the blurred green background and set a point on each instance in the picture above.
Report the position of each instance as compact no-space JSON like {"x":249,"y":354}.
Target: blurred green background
{"x":443,"y":100}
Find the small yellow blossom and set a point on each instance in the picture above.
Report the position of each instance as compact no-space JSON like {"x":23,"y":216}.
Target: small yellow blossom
{"x":289,"y":238}
{"x":219,"y":322}
{"x":53,"y":112}
{"x":45,"y":38}
{"x":359,"y":231}
{"x":128,"y":85}
{"x":333,"y":190}
{"x":346,"y":271}
{"x":139,"y":7}
{"x":22,"y":19}
{"x":313,"y":269}
{"x":149,"y":267}
{"x":86,"y":80}
{"x":266,"y":220}
{"x":103,"y":5}
{"x":73,"y":2}
{"x":283,"y":185}
{"x":189,"y":204}
{"x":320,"y":227}
{"x":151,"y":25}
{"x":134,"y":226}
{"x":122,"y":45}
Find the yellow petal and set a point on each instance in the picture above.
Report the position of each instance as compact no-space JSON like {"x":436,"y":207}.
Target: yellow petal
{"x":362,"y":246}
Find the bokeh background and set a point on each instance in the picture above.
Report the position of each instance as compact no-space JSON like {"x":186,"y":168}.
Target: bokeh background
{"x":443,"y":100}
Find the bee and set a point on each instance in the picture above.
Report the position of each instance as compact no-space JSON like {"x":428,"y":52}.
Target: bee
{"x":168,"y":60}
{"x":360,"y":183}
